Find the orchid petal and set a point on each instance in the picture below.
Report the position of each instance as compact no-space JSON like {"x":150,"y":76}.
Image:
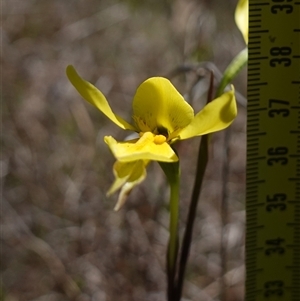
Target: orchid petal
{"x":144,"y":148}
{"x":159,"y":108}
{"x":241,"y":18}
{"x":127,"y":176}
{"x":215,"y":116}
{"x":92,"y":95}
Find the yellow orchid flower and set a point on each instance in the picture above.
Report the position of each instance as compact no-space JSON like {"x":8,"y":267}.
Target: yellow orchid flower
{"x":241,"y":18}
{"x":161,"y":116}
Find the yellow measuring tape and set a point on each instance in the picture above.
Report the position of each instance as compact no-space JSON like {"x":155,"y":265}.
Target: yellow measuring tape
{"x":273,"y":152}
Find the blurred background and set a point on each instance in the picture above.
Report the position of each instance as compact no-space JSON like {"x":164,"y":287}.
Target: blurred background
{"x":61,"y":239}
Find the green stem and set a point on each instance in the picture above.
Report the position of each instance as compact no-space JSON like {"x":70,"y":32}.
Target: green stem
{"x":173,"y":240}
{"x":232,"y":70}
{"x":174,"y":214}
{"x":172,"y":172}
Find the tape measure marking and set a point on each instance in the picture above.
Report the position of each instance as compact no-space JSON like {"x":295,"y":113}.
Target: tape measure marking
{"x":273,"y":152}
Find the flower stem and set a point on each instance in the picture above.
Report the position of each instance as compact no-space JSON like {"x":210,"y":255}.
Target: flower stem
{"x":174,"y":205}
{"x":173,"y":241}
{"x":232,"y":70}
{"x":172,"y":172}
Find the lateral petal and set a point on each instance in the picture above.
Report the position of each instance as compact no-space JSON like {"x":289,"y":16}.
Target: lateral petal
{"x":215,"y":116}
{"x":92,"y":95}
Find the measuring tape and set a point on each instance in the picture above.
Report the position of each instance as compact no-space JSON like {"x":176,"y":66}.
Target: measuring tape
{"x":273,"y":152}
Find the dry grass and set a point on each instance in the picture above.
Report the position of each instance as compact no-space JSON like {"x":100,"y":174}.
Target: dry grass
{"x":61,"y":239}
